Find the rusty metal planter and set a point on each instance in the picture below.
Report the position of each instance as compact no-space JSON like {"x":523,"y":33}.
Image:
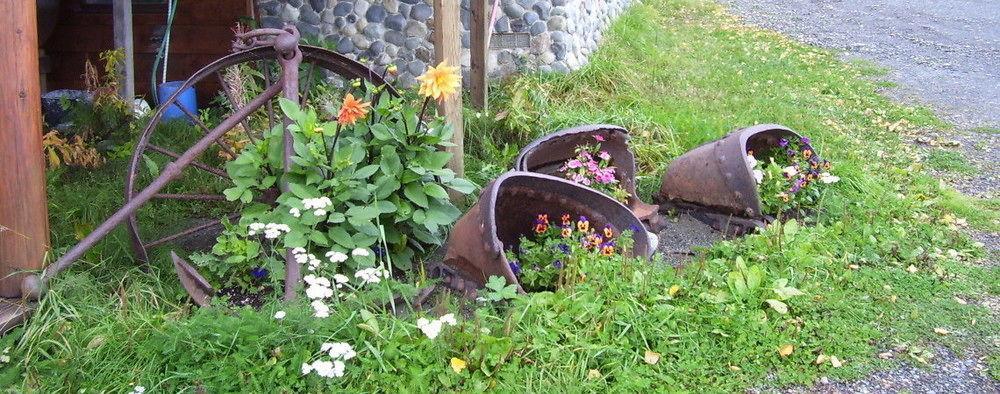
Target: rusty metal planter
{"x":506,"y":210}
{"x":714,"y":181}
{"x":547,"y":154}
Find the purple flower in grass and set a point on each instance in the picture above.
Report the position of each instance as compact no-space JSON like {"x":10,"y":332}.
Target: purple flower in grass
{"x":796,"y":186}
{"x":515,"y":267}
{"x":782,"y":142}
{"x":258,"y":272}
{"x":564,"y":248}
{"x":805,"y":140}
{"x":558,"y":264}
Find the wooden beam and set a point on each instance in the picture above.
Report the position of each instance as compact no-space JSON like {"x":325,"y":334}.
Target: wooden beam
{"x":122,"y":15}
{"x":24,"y":219}
{"x":480,"y":31}
{"x":447,"y":48}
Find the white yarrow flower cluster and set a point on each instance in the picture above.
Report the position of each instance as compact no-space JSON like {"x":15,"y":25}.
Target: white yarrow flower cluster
{"x":360,"y":252}
{"x":371,"y":275}
{"x":295,"y":212}
{"x":318,"y":205}
{"x":270,"y":230}
{"x":279,"y":315}
{"x":432,"y":328}
{"x":336,"y":257}
{"x":318,"y":287}
{"x":302,"y":257}
{"x":138,"y":390}
{"x":334,"y":368}
{"x":320,"y":309}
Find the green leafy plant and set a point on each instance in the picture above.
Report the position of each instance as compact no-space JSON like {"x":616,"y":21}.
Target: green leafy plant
{"x":498,"y":290}
{"x":353,"y":183}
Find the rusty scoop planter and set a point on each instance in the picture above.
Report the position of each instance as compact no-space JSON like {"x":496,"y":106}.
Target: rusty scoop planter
{"x":714,"y":182}
{"x":506,"y":210}
{"x":548,"y":153}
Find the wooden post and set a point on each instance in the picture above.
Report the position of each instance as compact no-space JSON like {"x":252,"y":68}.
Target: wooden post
{"x":24,"y":218}
{"x":122,"y":10}
{"x":480,"y":31}
{"x":447,"y":48}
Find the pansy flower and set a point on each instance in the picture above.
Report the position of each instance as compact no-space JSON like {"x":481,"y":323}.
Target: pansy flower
{"x":607,"y":249}
{"x":782,"y":142}
{"x":608,"y":232}
{"x":566,"y":219}
{"x":258,"y":272}
{"x":583,"y":224}
{"x":567,"y":232}
{"x":515,"y":267}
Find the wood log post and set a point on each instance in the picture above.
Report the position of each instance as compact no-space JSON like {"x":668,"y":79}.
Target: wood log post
{"x":122,"y":10}
{"x":480,"y":32}
{"x":447,"y":48}
{"x":24,"y":225}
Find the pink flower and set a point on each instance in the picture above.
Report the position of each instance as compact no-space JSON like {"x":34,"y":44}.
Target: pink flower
{"x":574,"y":164}
{"x":578,"y":178}
{"x":592,"y":166}
{"x":604,"y":155}
{"x":599,"y":137}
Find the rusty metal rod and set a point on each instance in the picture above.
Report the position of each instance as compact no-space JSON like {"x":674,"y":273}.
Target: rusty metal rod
{"x":290,"y":80}
{"x":170,"y":171}
{"x":198,"y":197}
{"x":191,"y":230}
{"x":195,"y":163}
{"x":222,"y":144}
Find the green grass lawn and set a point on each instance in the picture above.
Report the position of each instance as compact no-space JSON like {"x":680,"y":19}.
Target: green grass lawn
{"x":881,"y":264}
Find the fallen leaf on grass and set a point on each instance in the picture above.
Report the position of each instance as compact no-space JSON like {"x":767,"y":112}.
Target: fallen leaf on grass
{"x":786,"y":350}
{"x":820,"y":359}
{"x":651,"y":357}
{"x":835,"y":362}
{"x":941,"y":331}
{"x":912,"y":269}
{"x":593,"y":374}
{"x":961,"y":301}
{"x":885,"y":355}
{"x":735,"y":368}
{"x":458,"y":364}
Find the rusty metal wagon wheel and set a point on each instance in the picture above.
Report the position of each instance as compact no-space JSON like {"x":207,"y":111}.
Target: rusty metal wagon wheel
{"x":205,"y":177}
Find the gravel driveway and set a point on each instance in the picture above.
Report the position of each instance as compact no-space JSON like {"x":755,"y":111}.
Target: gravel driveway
{"x":943,"y":53}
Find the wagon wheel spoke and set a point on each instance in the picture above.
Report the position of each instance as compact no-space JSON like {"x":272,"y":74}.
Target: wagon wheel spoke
{"x":235,"y":106}
{"x":305,"y":87}
{"x":205,"y":130}
{"x":190,"y":196}
{"x":266,"y":72}
{"x":196,"y":164}
{"x":188,"y":231}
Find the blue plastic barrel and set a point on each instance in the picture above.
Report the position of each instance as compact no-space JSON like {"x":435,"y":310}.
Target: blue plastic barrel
{"x":187,"y":99}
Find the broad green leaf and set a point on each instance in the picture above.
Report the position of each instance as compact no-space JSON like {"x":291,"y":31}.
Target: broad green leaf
{"x":415,"y":193}
{"x":366,"y":171}
{"x":463,"y":186}
{"x":341,"y":237}
{"x":434,"y":190}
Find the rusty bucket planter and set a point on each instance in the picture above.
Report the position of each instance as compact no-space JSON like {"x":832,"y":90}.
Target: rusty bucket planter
{"x":547,"y":154}
{"x":506,"y":210}
{"x":714,"y":182}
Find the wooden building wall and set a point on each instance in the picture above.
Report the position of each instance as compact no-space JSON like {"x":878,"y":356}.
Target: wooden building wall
{"x":201,"y":33}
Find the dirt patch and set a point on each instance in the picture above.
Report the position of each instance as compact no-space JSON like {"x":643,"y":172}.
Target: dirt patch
{"x":683,"y":237}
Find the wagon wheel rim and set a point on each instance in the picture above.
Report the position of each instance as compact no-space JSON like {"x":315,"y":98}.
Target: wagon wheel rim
{"x":331,"y":64}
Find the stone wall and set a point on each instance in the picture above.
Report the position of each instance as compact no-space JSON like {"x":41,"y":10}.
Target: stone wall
{"x":544,"y":35}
